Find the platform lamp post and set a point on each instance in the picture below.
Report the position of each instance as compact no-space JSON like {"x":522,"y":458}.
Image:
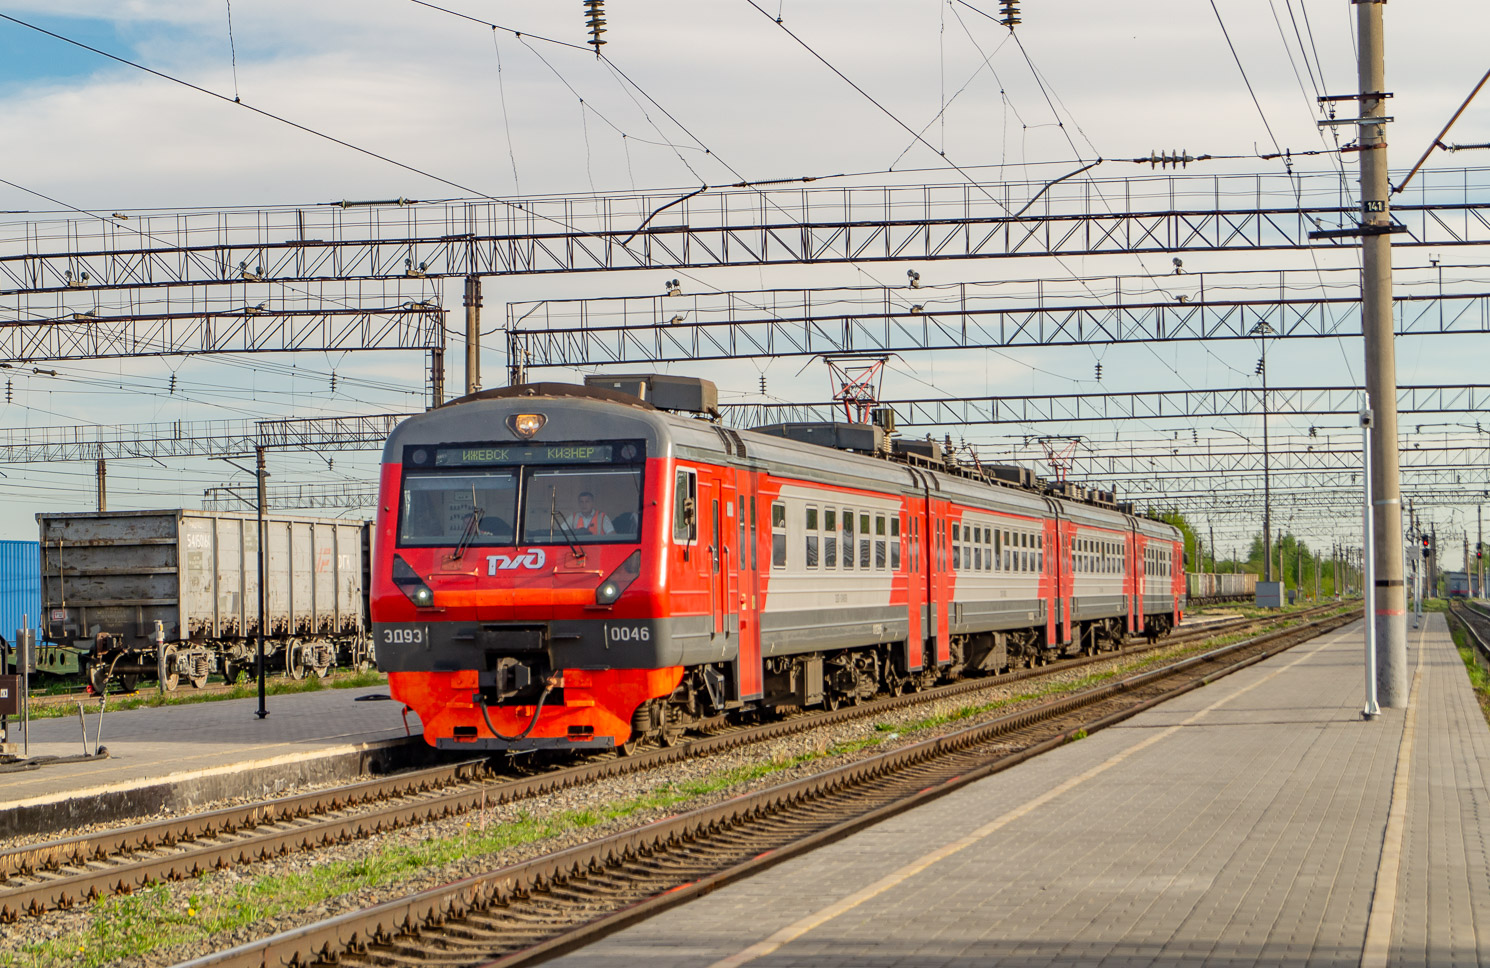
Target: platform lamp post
{"x":1371,"y":710}
{"x":261,"y":473}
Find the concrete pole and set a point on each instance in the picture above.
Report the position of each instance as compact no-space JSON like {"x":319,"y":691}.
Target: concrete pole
{"x":1381,"y":362}
{"x":261,"y":473}
{"x":436,"y":377}
{"x":1267,"y":503}
{"x":473,"y":333}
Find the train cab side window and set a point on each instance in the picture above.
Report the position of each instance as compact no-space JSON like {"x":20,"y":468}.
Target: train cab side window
{"x":977,"y":549}
{"x":881,"y":556}
{"x":778,"y":535}
{"x":754,"y":537}
{"x":830,"y":537}
{"x":740,"y":545}
{"x":956,"y":546}
{"x":812,"y":537}
{"x":895,"y":543}
{"x":988,"y":558}
{"x":864,"y":541}
{"x":685,"y":507}
{"x":847,"y":525}
{"x":998,"y":550}
{"x":1040,"y":554}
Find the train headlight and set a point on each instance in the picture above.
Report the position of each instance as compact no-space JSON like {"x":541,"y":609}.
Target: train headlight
{"x":409,"y":582}
{"x":619,"y":580}
{"x":525,"y":425}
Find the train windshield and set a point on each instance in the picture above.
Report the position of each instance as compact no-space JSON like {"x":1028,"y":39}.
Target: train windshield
{"x":582,"y":504}
{"x":440,"y":508}
{"x":501,"y":494}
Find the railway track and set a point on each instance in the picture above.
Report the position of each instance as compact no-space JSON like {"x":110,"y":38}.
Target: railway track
{"x":535,"y":910}
{"x":1477,"y":621}
{"x":60,"y":874}
{"x":39,"y":700}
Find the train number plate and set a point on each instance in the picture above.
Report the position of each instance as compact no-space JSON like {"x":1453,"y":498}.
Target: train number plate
{"x":616,"y":634}
{"x":402,"y":635}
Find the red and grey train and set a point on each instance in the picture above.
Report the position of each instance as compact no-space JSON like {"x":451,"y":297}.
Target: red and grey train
{"x":567,"y":567}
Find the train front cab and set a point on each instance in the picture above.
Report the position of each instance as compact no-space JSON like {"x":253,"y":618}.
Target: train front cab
{"x":503,"y":620}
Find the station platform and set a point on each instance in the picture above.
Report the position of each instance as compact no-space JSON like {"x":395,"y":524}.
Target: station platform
{"x":1256,"y":821}
{"x":174,"y":758}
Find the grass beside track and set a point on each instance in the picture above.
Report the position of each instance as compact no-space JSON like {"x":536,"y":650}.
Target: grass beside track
{"x":163,"y":915}
{"x":149,"y":699}
{"x":1479,"y":678}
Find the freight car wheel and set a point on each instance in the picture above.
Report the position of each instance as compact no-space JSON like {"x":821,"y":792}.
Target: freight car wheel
{"x":129,"y":681}
{"x":231,"y":671}
{"x":98,"y":677}
{"x":295,"y":659}
{"x":173,"y":678}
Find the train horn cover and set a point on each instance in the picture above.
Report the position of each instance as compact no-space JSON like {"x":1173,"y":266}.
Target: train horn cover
{"x":525,"y":425}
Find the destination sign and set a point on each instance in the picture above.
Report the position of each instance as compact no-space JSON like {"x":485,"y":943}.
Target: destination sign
{"x":488,"y":455}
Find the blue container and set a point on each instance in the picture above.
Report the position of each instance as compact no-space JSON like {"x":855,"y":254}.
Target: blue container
{"x":20,"y":586}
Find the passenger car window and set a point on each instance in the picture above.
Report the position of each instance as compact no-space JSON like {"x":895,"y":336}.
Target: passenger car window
{"x":778,"y":535}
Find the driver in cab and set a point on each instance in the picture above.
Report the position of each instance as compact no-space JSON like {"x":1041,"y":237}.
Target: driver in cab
{"x":590,"y":519}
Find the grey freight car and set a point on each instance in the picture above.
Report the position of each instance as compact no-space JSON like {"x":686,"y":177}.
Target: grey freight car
{"x":1203,"y":587}
{"x":110,"y":578}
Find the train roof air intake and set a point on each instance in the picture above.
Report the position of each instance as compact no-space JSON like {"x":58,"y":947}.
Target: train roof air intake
{"x":866,"y":438}
{"x":683,"y":394}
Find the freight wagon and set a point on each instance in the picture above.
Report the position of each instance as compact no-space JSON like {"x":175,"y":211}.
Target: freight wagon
{"x":1203,"y":587}
{"x":175,"y":593}
{"x":20,"y":588}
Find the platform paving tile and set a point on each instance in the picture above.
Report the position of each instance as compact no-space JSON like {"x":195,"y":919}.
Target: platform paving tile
{"x":146,"y":744}
{"x":1248,"y":831}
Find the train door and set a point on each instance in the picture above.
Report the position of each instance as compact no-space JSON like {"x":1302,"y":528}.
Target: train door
{"x":1140,"y":573}
{"x":743,"y":567}
{"x":715,"y":532}
{"x":941,"y":583}
{"x":915,"y":585}
{"x":1054,"y":576}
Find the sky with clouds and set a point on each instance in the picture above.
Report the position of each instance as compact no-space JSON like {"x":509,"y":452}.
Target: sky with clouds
{"x":689,"y":93}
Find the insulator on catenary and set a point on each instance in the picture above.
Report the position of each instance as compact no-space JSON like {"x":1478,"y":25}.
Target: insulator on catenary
{"x":1009,"y":13}
{"x":763,"y":384}
{"x":595,"y":20}
{"x":1099,"y":372}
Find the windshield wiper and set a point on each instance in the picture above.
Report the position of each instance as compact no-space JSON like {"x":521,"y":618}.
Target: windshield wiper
{"x":469,"y":534}
{"x":564,"y":529}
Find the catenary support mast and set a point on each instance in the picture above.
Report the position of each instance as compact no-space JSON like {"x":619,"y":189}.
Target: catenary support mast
{"x":1381,"y":367}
